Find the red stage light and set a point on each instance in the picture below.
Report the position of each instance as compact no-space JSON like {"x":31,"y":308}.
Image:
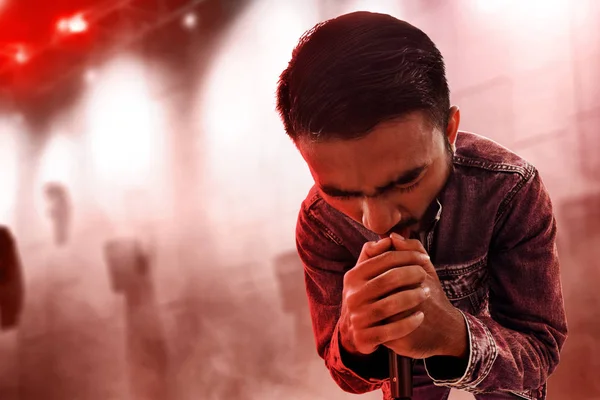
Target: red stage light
{"x":72,"y":25}
{"x":21,"y":56}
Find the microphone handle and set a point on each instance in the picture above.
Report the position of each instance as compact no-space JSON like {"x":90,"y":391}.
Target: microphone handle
{"x":400,"y":367}
{"x":400,"y":376}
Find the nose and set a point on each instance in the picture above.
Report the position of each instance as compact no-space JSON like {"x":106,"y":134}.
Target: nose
{"x":379,"y":216}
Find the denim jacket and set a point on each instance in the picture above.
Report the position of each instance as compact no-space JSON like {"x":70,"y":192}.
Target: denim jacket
{"x":493,"y":246}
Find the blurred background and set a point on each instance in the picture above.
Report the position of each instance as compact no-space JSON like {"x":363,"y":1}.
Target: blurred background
{"x":150,"y":194}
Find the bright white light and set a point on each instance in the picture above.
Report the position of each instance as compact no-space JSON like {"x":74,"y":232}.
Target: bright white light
{"x":545,"y":10}
{"x":491,"y":6}
{"x":21,"y":56}
{"x":63,"y":25}
{"x":9,"y":166}
{"x":90,"y":76}
{"x":57,"y":163}
{"x":391,"y":7}
{"x":75,"y":24}
{"x":532,"y":11}
{"x":532,"y":30}
{"x":244,"y":147}
{"x":124,"y":127}
{"x":234,"y":104}
{"x":125,"y":143}
{"x":189,"y":20}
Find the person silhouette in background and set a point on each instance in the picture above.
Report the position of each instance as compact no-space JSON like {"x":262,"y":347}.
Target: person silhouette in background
{"x":69,"y":340}
{"x":11,"y":280}
{"x":59,"y":211}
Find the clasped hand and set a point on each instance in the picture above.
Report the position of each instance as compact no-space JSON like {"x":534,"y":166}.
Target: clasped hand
{"x":393,"y":297}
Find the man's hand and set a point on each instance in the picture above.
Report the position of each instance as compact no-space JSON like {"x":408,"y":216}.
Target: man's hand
{"x":393,"y":297}
{"x":376,"y":290}
{"x":443,"y":331}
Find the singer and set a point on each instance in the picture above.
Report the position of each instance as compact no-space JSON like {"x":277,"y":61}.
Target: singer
{"x":417,"y":237}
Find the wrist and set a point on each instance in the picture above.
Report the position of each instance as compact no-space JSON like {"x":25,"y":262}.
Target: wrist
{"x":457,"y":338}
{"x":348,"y":347}
{"x":366,"y":366}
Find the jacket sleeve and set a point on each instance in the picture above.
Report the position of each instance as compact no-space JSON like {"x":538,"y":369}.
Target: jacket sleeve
{"x":517,"y":346}
{"x":325,"y":262}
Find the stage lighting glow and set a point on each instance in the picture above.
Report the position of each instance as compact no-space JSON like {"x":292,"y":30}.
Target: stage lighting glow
{"x":90,"y":76}
{"x":63,"y":25}
{"x":75,"y":24}
{"x":533,"y":11}
{"x":189,"y":20}
{"x":490,"y":6}
{"x":392,"y":7}
{"x":21,"y":56}
{"x":57,"y":163}
{"x":124,"y":127}
{"x":243,"y":141}
{"x":9,"y":166}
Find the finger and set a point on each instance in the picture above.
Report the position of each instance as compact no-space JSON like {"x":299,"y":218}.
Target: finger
{"x":400,"y":243}
{"x":377,"y":335}
{"x":377,"y":265}
{"x":394,"y":304}
{"x":392,"y":280}
{"x":372,"y":249}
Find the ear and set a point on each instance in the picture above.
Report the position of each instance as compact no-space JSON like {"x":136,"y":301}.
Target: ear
{"x":453,"y":124}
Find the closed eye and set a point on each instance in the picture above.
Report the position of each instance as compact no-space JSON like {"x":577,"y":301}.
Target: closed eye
{"x":405,"y":183}
{"x":408,"y":189}
{"x":396,"y":188}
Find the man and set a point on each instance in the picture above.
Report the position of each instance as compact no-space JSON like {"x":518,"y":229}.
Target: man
{"x":435,"y":243}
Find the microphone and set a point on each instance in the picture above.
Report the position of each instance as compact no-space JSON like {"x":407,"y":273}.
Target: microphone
{"x":401,"y":374}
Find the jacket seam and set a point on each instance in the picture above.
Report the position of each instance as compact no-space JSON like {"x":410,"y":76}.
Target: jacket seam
{"x":328,"y":233}
{"x":312,"y":201}
{"x":463,"y":269}
{"x":492,"y":166}
{"x":504,"y":205}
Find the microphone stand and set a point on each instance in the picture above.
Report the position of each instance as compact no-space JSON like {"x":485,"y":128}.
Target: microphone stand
{"x":400,"y":376}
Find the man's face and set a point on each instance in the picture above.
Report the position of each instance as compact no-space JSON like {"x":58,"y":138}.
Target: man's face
{"x":387,"y":179}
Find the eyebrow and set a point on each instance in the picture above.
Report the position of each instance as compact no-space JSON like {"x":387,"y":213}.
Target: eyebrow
{"x":403,"y":179}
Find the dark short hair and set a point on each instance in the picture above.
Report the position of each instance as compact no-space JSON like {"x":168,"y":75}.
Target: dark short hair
{"x":350,"y":73}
